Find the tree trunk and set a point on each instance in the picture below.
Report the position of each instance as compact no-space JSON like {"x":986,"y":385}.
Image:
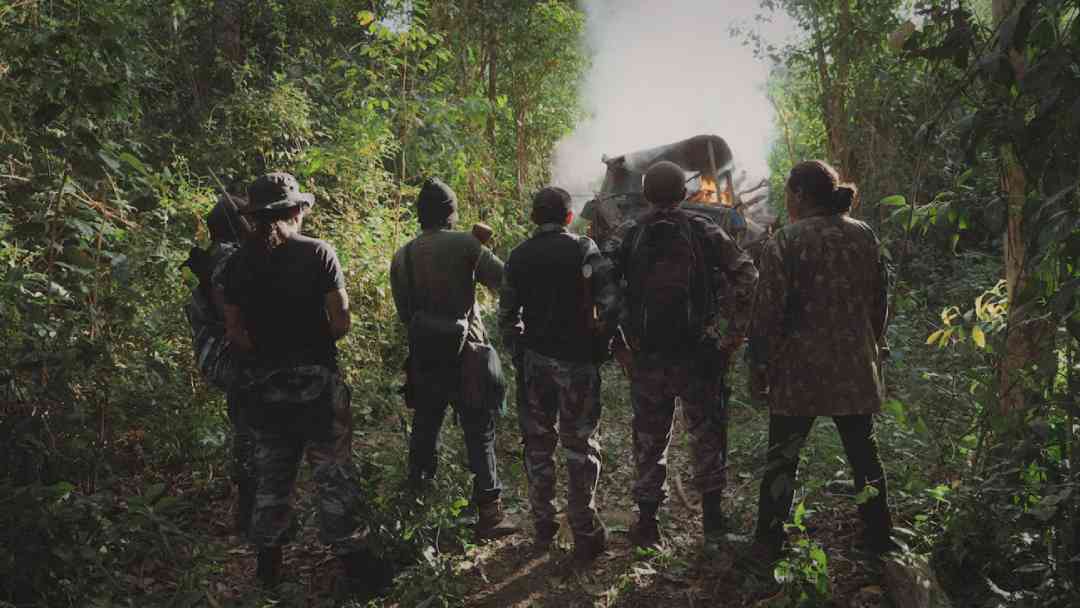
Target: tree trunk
{"x":1024,"y":337}
{"x":522,"y":149}
{"x":833,"y":89}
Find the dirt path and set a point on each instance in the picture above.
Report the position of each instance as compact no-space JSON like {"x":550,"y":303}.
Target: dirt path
{"x":510,"y":573}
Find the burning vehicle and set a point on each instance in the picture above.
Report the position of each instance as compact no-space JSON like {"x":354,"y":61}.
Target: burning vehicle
{"x":712,"y":190}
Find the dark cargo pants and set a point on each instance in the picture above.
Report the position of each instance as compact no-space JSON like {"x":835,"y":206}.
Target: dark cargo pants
{"x":787,"y":434}
{"x":435,"y":390}
{"x":656,"y":383}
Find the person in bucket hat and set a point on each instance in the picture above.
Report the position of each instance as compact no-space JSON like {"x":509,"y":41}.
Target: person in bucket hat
{"x":286,"y":307}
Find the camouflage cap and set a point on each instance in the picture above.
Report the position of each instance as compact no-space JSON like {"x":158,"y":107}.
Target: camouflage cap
{"x":276,"y":191}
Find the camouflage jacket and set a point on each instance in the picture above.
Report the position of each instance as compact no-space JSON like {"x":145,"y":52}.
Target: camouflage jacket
{"x":447,"y":265}
{"x":542,"y":300}
{"x":819,"y":317}
{"x":733,"y":274}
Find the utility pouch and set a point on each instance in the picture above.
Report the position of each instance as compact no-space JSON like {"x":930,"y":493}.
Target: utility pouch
{"x":483,"y":384}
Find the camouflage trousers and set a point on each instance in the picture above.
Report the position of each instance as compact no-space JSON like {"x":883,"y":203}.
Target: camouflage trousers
{"x":655,"y":385}
{"x":284,"y":433}
{"x":562,"y":403}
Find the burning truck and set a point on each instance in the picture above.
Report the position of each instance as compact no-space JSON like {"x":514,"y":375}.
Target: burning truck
{"x":713,"y":190}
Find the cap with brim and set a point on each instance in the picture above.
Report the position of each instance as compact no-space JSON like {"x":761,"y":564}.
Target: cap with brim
{"x":276,"y":191}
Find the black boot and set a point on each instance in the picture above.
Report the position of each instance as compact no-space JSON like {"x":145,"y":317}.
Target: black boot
{"x":587,"y":547}
{"x":245,"y":506}
{"x":546,"y":531}
{"x":712,"y":518}
{"x":268,"y":569}
{"x":645,"y":534}
{"x":367,"y":576}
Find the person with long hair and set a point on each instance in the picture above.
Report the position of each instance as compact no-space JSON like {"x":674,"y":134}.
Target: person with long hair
{"x":286,"y":306}
{"x":816,"y":341}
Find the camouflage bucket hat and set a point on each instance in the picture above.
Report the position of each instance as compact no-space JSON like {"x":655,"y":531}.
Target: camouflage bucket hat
{"x":276,"y":191}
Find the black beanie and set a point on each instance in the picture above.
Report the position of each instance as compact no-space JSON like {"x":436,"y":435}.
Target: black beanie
{"x":436,"y":204}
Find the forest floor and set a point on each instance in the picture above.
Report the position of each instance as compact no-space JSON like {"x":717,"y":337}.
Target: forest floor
{"x":914,"y":435}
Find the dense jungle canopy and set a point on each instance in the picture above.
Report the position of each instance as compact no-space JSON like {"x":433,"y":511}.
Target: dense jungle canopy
{"x":122,"y":120}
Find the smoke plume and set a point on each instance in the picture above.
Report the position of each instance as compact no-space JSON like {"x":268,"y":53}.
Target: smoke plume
{"x":665,"y":73}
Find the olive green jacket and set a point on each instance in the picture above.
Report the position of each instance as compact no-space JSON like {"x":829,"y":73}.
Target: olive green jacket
{"x":447,"y":265}
{"x":819,"y":318}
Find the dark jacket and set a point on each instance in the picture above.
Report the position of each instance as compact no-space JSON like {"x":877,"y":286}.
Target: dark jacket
{"x":542,"y":303}
{"x":447,"y":265}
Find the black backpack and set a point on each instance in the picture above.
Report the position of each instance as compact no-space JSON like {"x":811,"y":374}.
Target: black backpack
{"x":667,"y":283}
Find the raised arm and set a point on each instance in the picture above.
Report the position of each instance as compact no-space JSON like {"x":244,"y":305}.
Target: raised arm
{"x":489,"y":269}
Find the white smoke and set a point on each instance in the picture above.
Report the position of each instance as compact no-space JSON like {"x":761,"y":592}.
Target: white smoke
{"x":665,"y":73}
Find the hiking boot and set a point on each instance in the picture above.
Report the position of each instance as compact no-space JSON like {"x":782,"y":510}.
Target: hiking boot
{"x":492,"y":522}
{"x":546,"y":531}
{"x":367,"y":576}
{"x":645,"y":534}
{"x":268,"y":568}
{"x":245,"y":506}
{"x":588,"y":547}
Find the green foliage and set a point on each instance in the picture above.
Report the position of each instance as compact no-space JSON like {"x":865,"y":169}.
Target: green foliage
{"x":805,"y":572}
{"x":119,"y":124}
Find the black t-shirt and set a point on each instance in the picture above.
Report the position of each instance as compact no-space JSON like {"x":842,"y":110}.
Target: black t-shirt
{"x":283,"y":301}
{"x":546,"y":273}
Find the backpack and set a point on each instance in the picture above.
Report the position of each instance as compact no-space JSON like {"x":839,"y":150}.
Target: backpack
{"x":667,"y":283}
{"x":212,"y":357}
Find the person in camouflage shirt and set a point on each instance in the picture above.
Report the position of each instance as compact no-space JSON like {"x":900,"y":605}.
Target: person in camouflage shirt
{"x":692,"y":367}
{"x":816,"y":337}
{"x":557,"y":307}
{"x":286,"y":307}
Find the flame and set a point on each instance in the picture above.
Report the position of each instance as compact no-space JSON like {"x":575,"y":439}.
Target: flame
{"x":706,"y":192}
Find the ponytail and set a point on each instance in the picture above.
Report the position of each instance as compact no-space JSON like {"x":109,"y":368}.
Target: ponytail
{"x":820,"y":184}
{"x":843,"y":198}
